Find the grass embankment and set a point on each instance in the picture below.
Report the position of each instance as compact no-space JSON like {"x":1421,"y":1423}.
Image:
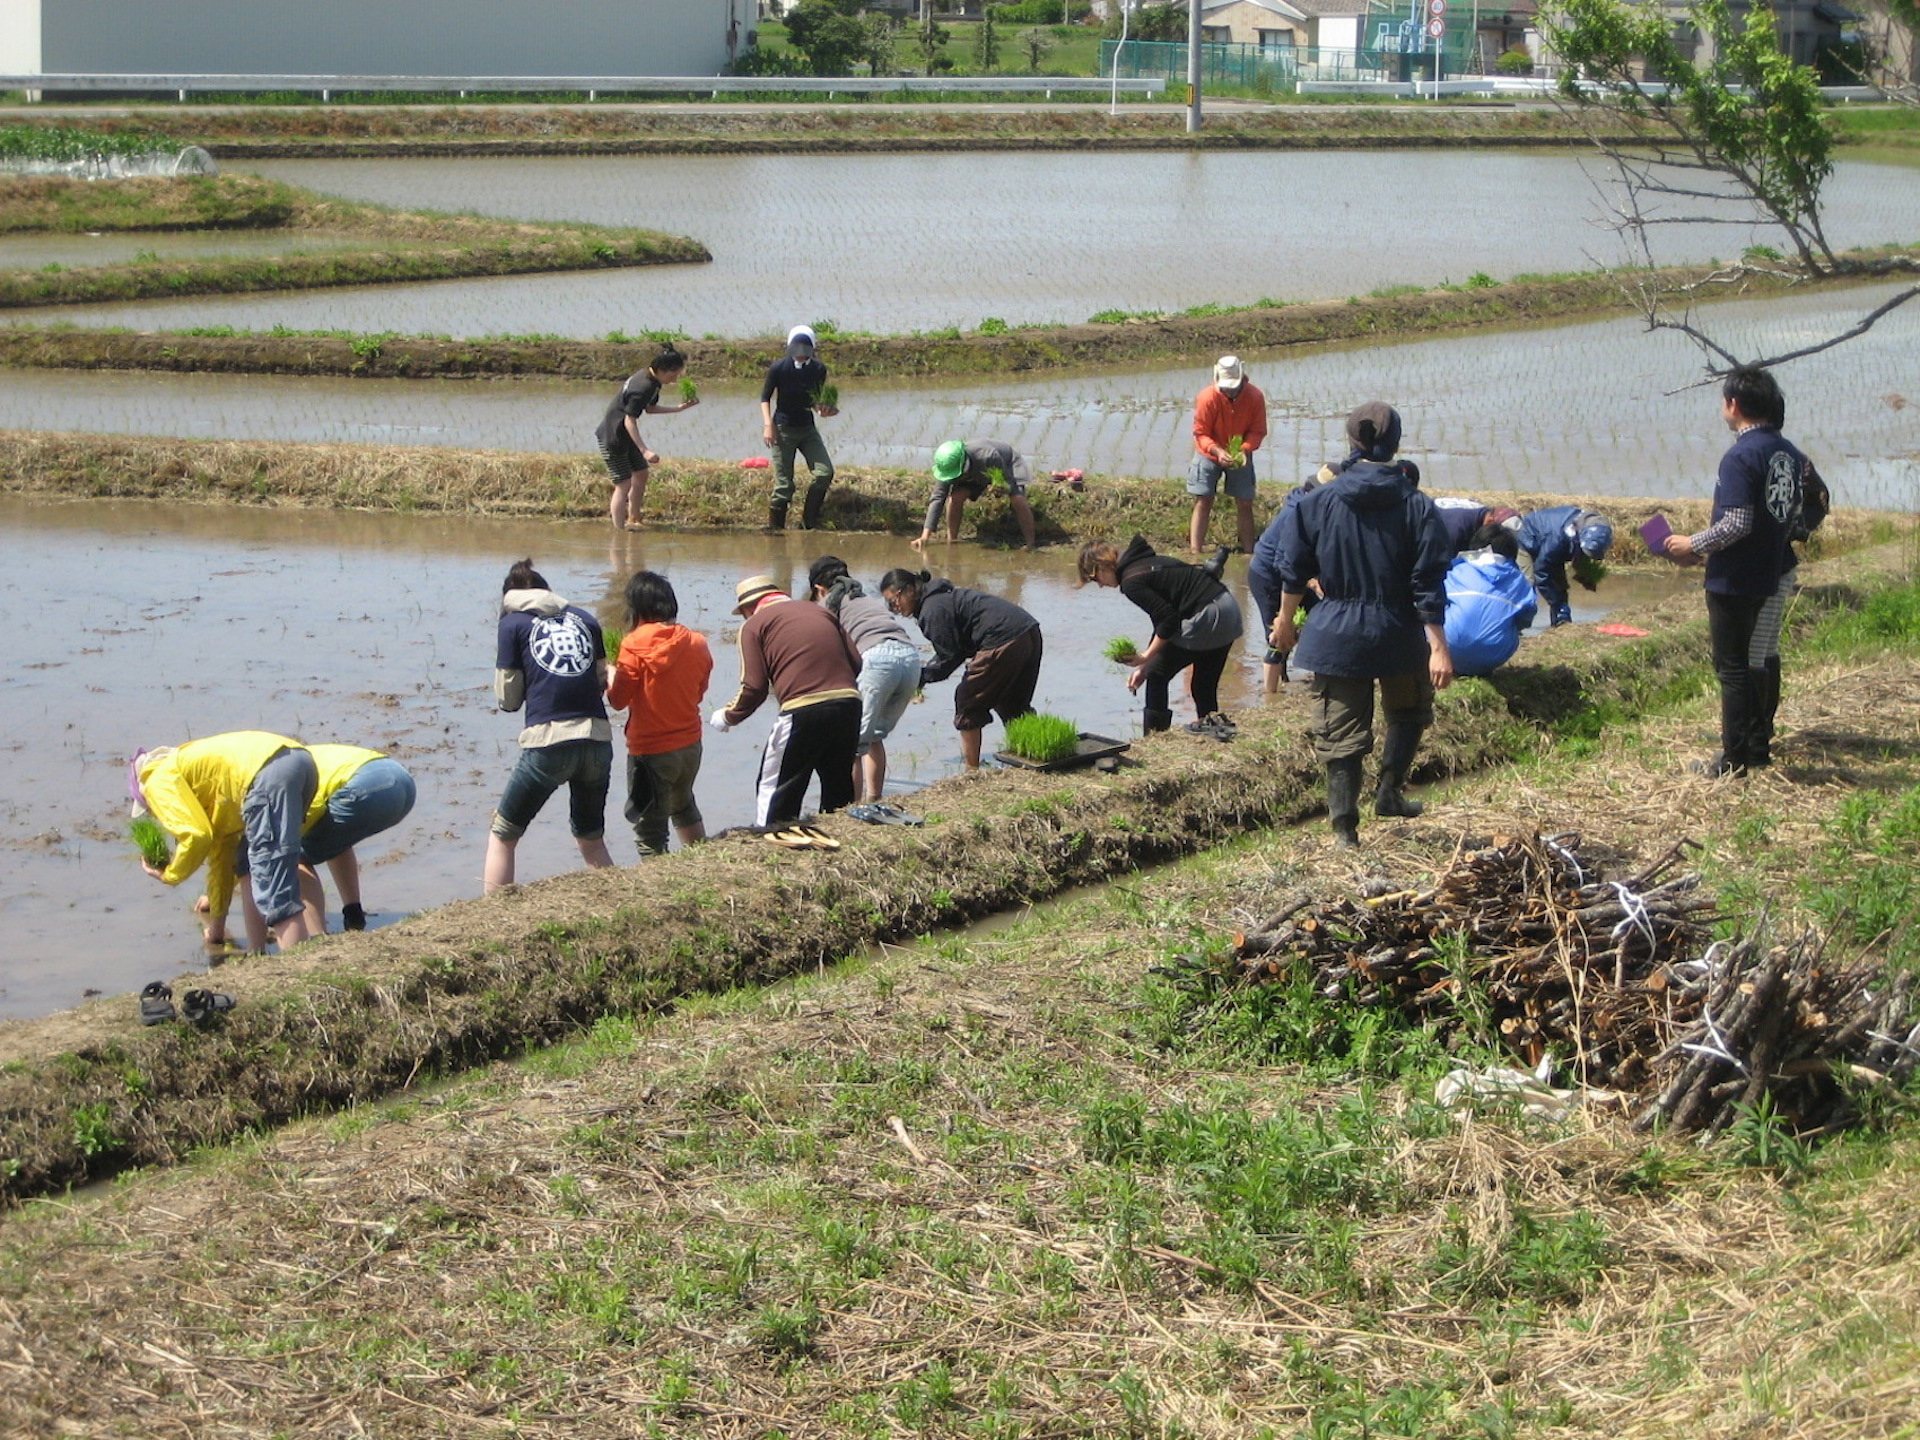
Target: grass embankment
{"x":395,"y":245}
{"x":682,"y":495}
{"x":354,"y":1016}
{"x":1112,"y":338}
{"x":1014,"y":1186}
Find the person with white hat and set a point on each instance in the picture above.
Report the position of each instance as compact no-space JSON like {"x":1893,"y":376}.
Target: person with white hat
{"x":1229,"y":422}
{"x":795,"y":392}
{"x":801,"y":655}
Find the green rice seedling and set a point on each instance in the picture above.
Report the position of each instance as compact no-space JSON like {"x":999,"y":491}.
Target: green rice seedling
{"x":1041,"y":738}
{"x":689,"y":392}
{"x":610,"y":638}
{"x":1122,"y":650}
{"x":1236,"y":451}
{"x":151,"y":840}
{"x":828,"y":398}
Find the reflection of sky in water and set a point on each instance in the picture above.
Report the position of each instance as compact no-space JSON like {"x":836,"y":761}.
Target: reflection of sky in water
{"x":1572,"y":407}
{"x":153,"y":624}
{"x":921,"y":242}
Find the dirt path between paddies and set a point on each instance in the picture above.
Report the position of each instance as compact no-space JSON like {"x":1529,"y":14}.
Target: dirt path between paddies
{"x":893,"y":1197}
{"x":350,"y":1017}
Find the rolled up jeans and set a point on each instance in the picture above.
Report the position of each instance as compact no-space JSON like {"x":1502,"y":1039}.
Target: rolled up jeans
{"x":889,"y":674}
{"x":376,"y":797}
{"x":271,"y":813}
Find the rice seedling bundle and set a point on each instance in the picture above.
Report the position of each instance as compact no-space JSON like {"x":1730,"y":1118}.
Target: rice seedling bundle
{"x":828,"y":398}
{"x":1042,"y":738}
{"x":689,"y":392}
{"x":1122,"y":649}
{"x":151,"y":840}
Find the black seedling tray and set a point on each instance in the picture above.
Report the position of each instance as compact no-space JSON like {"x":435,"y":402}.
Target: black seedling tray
{"x":1090,"y":748}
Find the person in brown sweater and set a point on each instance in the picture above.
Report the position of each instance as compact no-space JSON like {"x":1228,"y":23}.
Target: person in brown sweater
{"x":799,"y":653}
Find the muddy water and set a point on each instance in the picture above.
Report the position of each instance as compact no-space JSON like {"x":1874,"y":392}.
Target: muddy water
{"x":921,"y":242}
{"x":19,"y":252}
{"x":152,"y":624}
{"x":1572,"y":407}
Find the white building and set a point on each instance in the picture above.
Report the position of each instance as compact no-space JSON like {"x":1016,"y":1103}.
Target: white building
{"x":373,"y":37}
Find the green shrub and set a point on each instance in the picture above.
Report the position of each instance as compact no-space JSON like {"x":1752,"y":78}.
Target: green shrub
{"x":1041,"y":738}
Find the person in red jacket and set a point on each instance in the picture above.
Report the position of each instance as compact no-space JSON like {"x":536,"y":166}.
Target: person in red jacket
{"x":1229,"y":422}
{"x":659,"y":679}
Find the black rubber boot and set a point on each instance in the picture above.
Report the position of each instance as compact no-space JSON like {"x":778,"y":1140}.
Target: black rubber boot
{"x":1396,"y":759}
{"x":1217,"y":566}
{"x":352,"y":917}
{"x":810,"y":512}
{"x":776,"y":518}
{"x":1766,"y":685}
{"x":1343,"y":800}
{"x":1154,"y":721}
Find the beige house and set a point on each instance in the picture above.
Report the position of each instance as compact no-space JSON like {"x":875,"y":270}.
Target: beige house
{"x":1269,"y":24}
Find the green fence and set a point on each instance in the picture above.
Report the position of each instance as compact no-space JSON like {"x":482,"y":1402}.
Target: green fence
{"x":1263,"y":67}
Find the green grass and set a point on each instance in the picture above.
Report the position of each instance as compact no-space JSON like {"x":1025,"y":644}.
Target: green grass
{"x":61,"y":143}
{"x":1042,"y":738}
{"x":151,"y":840}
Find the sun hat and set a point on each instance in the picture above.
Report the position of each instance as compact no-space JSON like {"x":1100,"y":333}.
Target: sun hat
{"x":949,"y":460}
{"x":1374,"y":429}
{"x":1596,"y":539}
{"x":752,"y":590}
{"x":802,"y":334}
{"x":1228,"y":372}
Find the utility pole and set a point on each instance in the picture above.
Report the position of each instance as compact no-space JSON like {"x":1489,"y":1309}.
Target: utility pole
{"x":1193,"y":66}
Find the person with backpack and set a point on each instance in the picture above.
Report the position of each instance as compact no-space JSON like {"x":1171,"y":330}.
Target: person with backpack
{"x":1759,"y":502}
{"x":622,"y":451}
{"x":965,"y":470}
{"x":1195,"y":622}
{"x":1372,"y":540}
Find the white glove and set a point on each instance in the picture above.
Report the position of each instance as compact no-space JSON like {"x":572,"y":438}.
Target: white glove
{"x":719,"y":720}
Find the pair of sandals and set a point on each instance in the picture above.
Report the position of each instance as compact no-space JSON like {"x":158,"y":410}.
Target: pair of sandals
{"x":802,"y":837}
{"x":882,"y":812}
{"x":1215,"y":727}
{"x":197,"y":1006}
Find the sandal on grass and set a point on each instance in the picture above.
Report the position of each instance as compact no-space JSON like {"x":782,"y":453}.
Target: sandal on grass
{"x":201,"y":1005}
{"x":817,"y":838}
{"x":156,"y":1003}
{"x":891,"y":814}
{"x":791,"y":838}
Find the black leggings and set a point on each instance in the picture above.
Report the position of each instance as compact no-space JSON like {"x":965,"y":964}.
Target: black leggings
{"x":1208,"y":666}
{"x":1730,"y":624}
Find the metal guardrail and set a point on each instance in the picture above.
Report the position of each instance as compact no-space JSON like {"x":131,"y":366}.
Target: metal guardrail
{"x":326,"y":86}
{"x":1512,"y":85}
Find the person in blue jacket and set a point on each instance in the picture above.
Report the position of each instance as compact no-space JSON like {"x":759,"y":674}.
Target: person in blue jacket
{"x":1558,"y":537}
{"x":1379,"y":552}
{"x":1489,"y":602}
{"x":1263,"y":582}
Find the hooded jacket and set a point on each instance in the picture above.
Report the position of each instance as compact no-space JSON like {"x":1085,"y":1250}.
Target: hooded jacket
{"x":195,"y":792}
{"x":1169,"y":590}
{"x":1552,"y":538}
{"x":960,"y":623}
{"x":551,"y":657}
{"x":659,"y":679}
{"x":1372,"y":540}
{"x":1489,"y":602}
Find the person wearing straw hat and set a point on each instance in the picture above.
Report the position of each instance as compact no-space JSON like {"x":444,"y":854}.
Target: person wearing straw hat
{"x":965,"y":470}
{"x":794,"y":393}
{"x":800,"y":654}
{"x":1229,"y":422}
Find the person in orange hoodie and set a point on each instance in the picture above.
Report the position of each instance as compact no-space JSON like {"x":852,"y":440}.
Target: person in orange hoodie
{"x":659,"y":679}
{"x":1229,"y":422}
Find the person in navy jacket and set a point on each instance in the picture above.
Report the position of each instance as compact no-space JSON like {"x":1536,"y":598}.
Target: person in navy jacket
{"x":1373,"y":541}
{"x":1555,"y":538}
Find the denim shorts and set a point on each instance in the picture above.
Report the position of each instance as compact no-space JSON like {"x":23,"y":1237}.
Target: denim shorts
{"x":889,"y":674}
{"x":376,"y":797}
{"x":585,"y":767}
{"x":1205,"y":477}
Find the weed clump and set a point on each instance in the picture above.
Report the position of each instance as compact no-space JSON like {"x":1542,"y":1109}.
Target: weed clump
{"x":1042,"y":738}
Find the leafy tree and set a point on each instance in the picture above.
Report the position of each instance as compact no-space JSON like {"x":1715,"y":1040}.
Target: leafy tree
{"x":986,"y":43}
{"x":829,"y":34}
{"x":1037,"y":43}
{"x":881,"y":33}
{"x":931,"y":37}
{"x":1737,"y":140}
{"x":1153,"y":22}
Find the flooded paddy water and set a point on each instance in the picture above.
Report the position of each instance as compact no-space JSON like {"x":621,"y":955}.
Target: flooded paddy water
{"x":154,"y":624}
{"x":922,"y":242}
{"x":116,"y":247}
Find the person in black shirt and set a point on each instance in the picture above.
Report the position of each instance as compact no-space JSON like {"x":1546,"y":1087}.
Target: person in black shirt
{"x":624,"y":453}
{"x":1756,"y":509}
{"x":792,"y":396}
{"x":1195,"y":622}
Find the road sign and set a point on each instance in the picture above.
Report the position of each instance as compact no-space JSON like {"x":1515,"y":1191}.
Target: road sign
{"x":1436,"y":8}
{"x":1437,"y":29}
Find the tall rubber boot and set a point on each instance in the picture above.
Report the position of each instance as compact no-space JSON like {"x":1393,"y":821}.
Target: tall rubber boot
{"x":816,"y":499}
{"x":1343,"y":800}
{"x":776,"y":518}
{"x":1766,"y":685}
{"x":1153,"y":721}
{"x":1396,"y":759}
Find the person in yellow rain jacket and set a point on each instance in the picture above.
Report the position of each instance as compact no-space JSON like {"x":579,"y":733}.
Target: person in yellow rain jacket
{"x":247,"y":790}
{"x":362,"y":792}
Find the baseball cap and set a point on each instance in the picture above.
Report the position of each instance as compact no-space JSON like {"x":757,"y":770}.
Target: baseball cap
{"x":1596,"y":539}
{"x":949,"y":460}
{"x":1374,"y":429}
{"x":1229,"y":373}
{"x":753,"y":589}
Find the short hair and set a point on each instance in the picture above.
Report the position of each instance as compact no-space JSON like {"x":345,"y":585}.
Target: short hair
{"x":524,"y":577}
{"x":1496,"y":538}
{"x":650,"y":599}
{"x":1755,"y":394}
{"x":1093,"y":555}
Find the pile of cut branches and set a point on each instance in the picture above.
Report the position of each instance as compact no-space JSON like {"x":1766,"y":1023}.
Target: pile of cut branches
{"x":1613,"y":984}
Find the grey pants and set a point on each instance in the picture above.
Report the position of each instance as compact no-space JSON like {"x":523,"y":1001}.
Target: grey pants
{"x":1343,"y":710}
